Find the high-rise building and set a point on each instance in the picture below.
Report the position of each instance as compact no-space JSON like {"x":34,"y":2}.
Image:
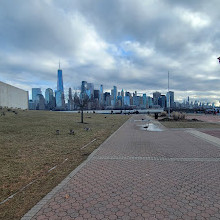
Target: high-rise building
{"x":35,"y":92}
{"x":48,"y":95}
{"x":70,"y":101}
{"x":156,"y":96}
{"x":170,"y":99}
{"x":162,"y":101}
{"x":83,"y":88}
{"x":60,"y":80}
{"x":59,"y":94}
{"x":49,"y":99}
{"x":114,"y":95}
{"x":122,"y":95}
{"x":149,"y":102}
{"x":144,"y":100}
{"x":107,"y":98}
{"x":60,"y":104}
{"x":101,"y":97}
{"x":90,"y":90}
{"x":40,"y":102}
{"x":96,"y":94}
{"x":136,"y":101}
{"x":127,"y":100}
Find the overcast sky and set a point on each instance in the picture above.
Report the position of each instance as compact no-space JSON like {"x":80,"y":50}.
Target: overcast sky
{"x":128,"y":43}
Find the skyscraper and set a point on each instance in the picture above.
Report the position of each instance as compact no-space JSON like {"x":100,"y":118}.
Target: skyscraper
{"x":101,"y":101}
{"x":170,"y":99}
{"x":136,"y":101}
{"x":35,"y":92}
{"x":162,"y":101}
{"x":90,"y":90}
{"x":122,"y":95}
{"x":70,"y":101}
{"x":83,"y":88}
{"x":156,"y":96}
{"x":144,"y":100}
{"x":60,"y":80}
{"x":59,"y":94}
{"x":127,"y":100}
{"x":60,"y":104}
{"x":48,"y":95}
{"x":49,"y":99}
{"x":114,"y":95}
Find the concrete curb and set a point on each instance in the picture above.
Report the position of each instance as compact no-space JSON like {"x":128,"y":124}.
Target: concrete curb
{"x":34,"y":210}
{"x":210,"y":139}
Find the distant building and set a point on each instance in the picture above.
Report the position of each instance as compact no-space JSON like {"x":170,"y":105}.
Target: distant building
{"x":101,"y":97}
{"x":40,"y":102}
{"x":119,"y":100}
{"x":90,"y":90}
{"x":122,"y":95}
{"x":156,"y":96}
{"x":136,"y":101}
{"x":114,"y":95}
{"x":107,"y":99}
{"x":149,"y":102}
{"x":35,"y":93}
{"x":83,"y":88}
{"x":60,"y":103}
{"x":59,"y":94}
{"x":49,"y":99}
{"x":162,"y":101}
{"x":170,"y":99}
{"x":70,"y":101}
{"x":127,"y":100}
{"x":144,"y":101}
{"x":96,"y":94}
{"x":31,"y":105}
{"x":60,"y":80}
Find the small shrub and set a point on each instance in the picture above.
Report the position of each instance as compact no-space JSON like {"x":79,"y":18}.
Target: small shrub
{"x":182,"y":116}
{"x":175,"y":116}
{"x":178,"y":116}
{"x":163,"y":114}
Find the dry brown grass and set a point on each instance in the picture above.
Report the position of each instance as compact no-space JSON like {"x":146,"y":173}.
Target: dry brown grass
{"x":29,"y":147}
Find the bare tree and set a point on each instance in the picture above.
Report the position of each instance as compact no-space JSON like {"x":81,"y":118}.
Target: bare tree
{"x":82,"y":103}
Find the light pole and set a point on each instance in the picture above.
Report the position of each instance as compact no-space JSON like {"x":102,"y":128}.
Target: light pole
{"x":168,"y":94}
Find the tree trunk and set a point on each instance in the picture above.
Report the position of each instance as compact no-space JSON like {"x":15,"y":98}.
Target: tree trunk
{"x":81,"y":115}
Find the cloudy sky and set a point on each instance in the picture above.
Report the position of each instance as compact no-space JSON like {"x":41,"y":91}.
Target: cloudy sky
{"x":128,"y":43}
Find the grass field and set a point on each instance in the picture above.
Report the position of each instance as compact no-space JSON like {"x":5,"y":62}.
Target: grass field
{"x":29,"y":147}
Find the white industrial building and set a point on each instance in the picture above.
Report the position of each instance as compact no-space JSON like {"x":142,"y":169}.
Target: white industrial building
{"x":13,"y":97}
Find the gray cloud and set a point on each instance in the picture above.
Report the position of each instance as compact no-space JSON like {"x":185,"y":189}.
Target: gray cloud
{"x":131,"y":44}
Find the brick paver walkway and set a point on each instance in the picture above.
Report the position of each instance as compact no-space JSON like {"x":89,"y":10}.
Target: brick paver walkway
{"x":206,"y":118}
{"x":213,"y":132}
{"x":139,"y":174}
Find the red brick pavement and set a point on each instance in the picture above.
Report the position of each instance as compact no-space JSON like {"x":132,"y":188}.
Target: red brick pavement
{"x":206,"y":118}
{"x":142,"y":175}
{"x":213,"y":132}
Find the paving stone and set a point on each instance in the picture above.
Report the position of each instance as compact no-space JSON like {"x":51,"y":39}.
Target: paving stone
{"x":138,"y":174}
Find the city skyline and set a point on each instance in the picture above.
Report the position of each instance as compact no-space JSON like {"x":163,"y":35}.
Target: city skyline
{"x":101,"y":99}
{"x":80,"y":89}
{"x":133,"y":49}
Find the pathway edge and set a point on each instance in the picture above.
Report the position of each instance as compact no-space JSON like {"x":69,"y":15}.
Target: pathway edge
{"x":36,"y":208}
